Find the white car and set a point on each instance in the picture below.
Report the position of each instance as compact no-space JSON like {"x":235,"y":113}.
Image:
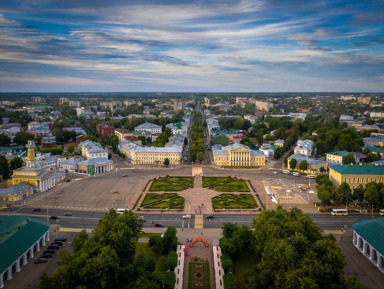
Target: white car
{"x":274,"y":172}
{"x":187,"y":216}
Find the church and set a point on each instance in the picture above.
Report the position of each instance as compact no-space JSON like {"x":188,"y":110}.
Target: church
{"x":39,"y":176}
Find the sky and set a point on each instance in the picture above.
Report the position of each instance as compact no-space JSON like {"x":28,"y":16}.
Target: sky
{"x":191,"y":46}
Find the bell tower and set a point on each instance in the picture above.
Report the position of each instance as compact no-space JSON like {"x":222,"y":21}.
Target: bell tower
{"x":31,"y":154}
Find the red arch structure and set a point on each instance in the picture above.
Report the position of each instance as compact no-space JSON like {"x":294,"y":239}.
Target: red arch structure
{"x":199,"y":239}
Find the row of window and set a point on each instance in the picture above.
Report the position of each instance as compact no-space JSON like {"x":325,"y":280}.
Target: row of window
{"x":363,"y":180}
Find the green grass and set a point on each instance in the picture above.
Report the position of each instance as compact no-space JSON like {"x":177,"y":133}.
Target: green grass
{"x":242,"y":264}
{"x":232,"y":201}
{"x":163,"y":201}
{"x":241,"y":167}
{"x":143,"y":248}
{"x":172,"y":184}
{"x":207,"y":285}
{"x":225,"y":184}
{"x":148,"y":235}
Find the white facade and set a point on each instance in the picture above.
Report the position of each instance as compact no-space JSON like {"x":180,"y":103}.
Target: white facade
{"x":368,"y":251}
{"x":91,"y":150}
{"x":150,"y":127}
{"x":304,"y":147}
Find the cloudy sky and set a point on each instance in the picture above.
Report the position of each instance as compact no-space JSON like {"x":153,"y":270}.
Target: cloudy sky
{"x":192,"y":46}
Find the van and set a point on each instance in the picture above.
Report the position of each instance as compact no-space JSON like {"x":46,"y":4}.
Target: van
{"x":121,"y":211}
{"x":287,"y":172}
{"x":296,"y":174}
{"x":311,"y":176}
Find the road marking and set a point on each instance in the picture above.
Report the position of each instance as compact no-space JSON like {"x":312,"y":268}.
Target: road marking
{"x":127,"y":169}
{"x":333,"y":232}
{"x":74,"y":230}
{"x":199,"y":222}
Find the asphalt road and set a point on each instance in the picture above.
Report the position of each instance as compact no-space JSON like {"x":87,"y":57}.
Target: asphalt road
{"x":89,"y":219}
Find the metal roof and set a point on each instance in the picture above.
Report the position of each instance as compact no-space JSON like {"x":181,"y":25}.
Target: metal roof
{"x":339,"y":153}
{"x":372,"y":230}
{"x":357,"y":169}
{"x":17,"y":234}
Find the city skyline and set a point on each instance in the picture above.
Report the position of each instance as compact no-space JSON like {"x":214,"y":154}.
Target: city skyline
{"x":178,"y":46}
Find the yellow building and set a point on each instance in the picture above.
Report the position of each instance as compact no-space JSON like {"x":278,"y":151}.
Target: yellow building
{"x":355,"y":175}
{"x":39,"y":177}
{"x":237,"y":155}
{"x":17,"y":192}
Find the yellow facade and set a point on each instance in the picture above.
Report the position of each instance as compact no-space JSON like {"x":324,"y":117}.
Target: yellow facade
{"x":149,"y":158}
{"x":38,"y":177}
{"x":239,"y":157}
{"x":354,"y":180}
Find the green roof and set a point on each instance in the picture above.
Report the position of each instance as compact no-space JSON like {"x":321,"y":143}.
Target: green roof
{"x":372,"y":230}
{"x":17,"y":235}
{"x":340,"y":153}
{"x":375,"y":149}
{"x":357,"y":169}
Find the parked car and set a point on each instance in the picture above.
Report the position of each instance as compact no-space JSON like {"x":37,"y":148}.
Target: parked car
{"x":209,"y":217}
{"x":187,"y":216}
{"x":59,"y":243}
{"x":55,"y":217}
{"x":124,"y":176}
{"x":53,"y":247}
{"x":61,"y":239}
{"x":159,"y":225}
{"x":67,"y":214}
{"x":49,"y":251}
{"x":40,"y":260}
{"x":37,"y":210}
{"x":46,"y":255}
{"x":141,"y":218}
{"x":274,"y":172}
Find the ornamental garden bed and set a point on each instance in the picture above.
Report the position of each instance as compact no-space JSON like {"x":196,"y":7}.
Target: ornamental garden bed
{"x":232,"y":201}
{"x":198,"y":275}
{"x":162,"y":201}
{"x":225,"y":184}
{"x":171,"y":184}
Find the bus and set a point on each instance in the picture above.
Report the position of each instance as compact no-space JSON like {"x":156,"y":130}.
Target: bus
{"x":339,"y":212}
{"x":121,"y":211}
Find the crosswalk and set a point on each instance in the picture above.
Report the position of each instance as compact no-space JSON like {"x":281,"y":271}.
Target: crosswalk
{"x":199,"y":221}
{"x":74,"y":230}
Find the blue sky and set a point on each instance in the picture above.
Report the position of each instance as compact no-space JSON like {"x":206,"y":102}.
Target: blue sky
{"x":192,"y":46}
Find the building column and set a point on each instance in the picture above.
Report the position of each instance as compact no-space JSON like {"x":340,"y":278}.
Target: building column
{"x":40,"y":186}
{"x":18,"y":265}
{"x":1,"y":280}
{"x":47,"y":236}
{"x":9,"y":275}
{"x":38,"y":246}
{"x":25,"y":259}
{"x":32,"y":255}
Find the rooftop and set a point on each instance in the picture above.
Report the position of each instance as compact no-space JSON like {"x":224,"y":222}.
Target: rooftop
{"x":339,"y":153}
{"x":358,"y":169}
{"x":372,"y":230}
{"x":17,"y":234}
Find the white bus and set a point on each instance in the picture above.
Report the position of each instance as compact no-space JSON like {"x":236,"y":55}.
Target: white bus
{"x":339,"y":212}
{"x":121,"y":211}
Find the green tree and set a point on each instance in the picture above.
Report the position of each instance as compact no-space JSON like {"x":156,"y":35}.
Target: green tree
{"x":169,"y":240}
{"x":292,"y":164}
{"x":166,"y":161}
{"x":342,"y":194}
{"x":4,"y":140}
{"x":303,"y":166}
{"x":349,"y":159}
{"x":372,"y":196}
{"x":325,"y":193}
{"x":22,"y":138}
{"x":71,"y":148}
{"x":171,"y":260}
{"x":200,"y":157}
{"x":322,"y":169}
{"x":358,"y":193}
{"x":4,"y":167}
{"x":16,"y":162}
{"x":114,"y":141}
{"x":185,"y":141}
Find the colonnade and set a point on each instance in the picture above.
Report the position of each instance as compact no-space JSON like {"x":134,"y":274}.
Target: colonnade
{"x":370,"y":252}
{"x":46,"y":183}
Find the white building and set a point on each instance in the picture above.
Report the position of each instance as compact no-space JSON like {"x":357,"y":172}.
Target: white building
{"x":304,"y":147}
{"x":70,"y":165}
{"x":150,"y":127}
{"x":252,"y":118}
{"x":345,"y":118}
{"x":178,"y":128}
{"x":91,"y":150}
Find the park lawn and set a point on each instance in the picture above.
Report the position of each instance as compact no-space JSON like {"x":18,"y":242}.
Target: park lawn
{"x":225,"y":184}
{"x":143,"y":248}
{"x":163,"y":201}
{"x":208,"y":276}
{"x":171,"y":184}
{"x":242,"y":264}
{"x":232,"y":201}
{"x":230,"y":167}
{"x":148,"y":235}
{"x":211,"y":181}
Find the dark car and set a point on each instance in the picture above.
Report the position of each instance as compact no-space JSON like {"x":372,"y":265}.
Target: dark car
{"x":61,"y":239}
{"x":209,"y":217}
{"x":37,"y":210}
{"x":124,"y":176}
{"x":55,"y":217}
{"x":53,"y":247}
{"x":68,"y":214}
{"x":49,"y":251}
{"x":159,"y":225}
{"x":59,"y":243}
{"x":41,"y":260}
{"x":45,"y":256}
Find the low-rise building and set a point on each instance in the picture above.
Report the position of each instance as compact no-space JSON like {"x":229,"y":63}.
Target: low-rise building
{"x":91,"y":150}
{"x":314,"y":166}
{"x":149,"y":127}
{"x":17,"y":192}
{"x":335,"y":158}
{"x":178,"y":128}
{"x":304,"y":147}
{"x":279,"y":143}
{"x":368,"y":236}
{"x":48,"y":142}
{"x":70,"y":165}
{"x":237,"y":155}
{"x":104,"y":130}
{"x":355,"y":175}
{"x":268,"y":150}
{"x":121,"y":133}
{"x":374,"y":141}
{"x":95,"y":166}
